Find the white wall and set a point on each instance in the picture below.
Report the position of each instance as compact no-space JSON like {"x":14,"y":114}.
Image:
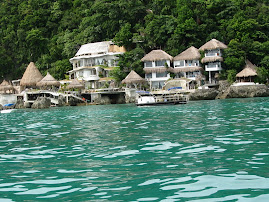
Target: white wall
{"x":8,"y":99}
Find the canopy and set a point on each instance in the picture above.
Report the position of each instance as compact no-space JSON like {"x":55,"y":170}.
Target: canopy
{"x":75,"y":84}
{"x":133,"y":77}
{"x":31,"y":76}
{"x":48,"y":80}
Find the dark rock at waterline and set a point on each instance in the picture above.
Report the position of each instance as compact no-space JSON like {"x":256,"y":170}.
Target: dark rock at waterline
{"x":61,"y":101}
{"x":27,"y":105}
{"x":224,"y":86}
{"x":41,"y":103}
{"x":248,"y":91}
{"x":19,"y":104}
{"x":1,"y":107}
{"x":72,"y":101}
{"x":204,"y":94}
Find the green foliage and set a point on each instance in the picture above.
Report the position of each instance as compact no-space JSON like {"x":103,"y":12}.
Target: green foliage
{"x":124,"y":36}
{"x":50,"y":32}
{"x":231,"y":75}
{"x":263,"y":75}
{"x":118,"y":74}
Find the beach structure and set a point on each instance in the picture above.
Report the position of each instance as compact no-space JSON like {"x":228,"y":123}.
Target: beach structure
{"x":156,"y":66}
{"x":187,"y":64}
{"x":182,"y":83}
{"x":31,"y":76}
{"x":133,"y":79}
{"x":48,"y":82}
{"x":6,"y":87}
{"x":75,"y":84}
{"x":94,"y":61}
{"x":213,"y":58}
{"x":248,"y":73}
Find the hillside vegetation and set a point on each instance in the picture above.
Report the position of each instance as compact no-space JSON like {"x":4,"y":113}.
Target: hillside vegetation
{"x":50,"y":32}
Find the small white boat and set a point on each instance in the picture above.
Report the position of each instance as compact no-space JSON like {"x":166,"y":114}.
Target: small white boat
{"x":5,"y":111}
{"x":147,"y":100}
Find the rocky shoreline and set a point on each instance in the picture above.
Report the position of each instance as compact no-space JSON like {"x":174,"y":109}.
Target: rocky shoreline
{"x":226,"y":90}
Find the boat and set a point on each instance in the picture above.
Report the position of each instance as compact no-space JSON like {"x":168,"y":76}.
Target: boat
{"x":5,"y":111}
{"x":164,"y":99}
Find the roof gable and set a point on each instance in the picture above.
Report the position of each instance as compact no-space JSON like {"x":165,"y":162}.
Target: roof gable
{"x":156,"y":55}
{"x":213,"y":44}
{"x":190,"y":54}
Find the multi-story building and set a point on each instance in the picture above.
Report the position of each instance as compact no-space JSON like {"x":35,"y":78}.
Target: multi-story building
{"x":156,"y":65}
{"x":187,"y":64}
{"x":94,"y":61}
{"x":213,"y":58}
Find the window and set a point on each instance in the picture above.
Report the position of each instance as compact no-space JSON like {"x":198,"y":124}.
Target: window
{"x":148,"y":76}
{"x":160,"y":63}
{"x":148,"y":63}
{"x":179,"y":63}
{"x":164,"y":74}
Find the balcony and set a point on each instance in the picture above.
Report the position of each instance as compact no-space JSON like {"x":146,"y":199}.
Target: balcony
{"x":213,"y":67}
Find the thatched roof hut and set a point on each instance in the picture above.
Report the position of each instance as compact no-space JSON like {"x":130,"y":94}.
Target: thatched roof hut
{"x":247,"y":74}
{"x":213,"y":44}
{"x":31,"y":76}
{"x":48,"y":80}
{"x":133,"y":78}
{"x":6,"y":86}
{"x":191,"y":53}
{"x":248,"y":71}
{"x":75,"y":84}
{"x":156,"y":55}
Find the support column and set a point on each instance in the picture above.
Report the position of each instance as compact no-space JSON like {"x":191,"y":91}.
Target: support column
{"x":210,"y":81}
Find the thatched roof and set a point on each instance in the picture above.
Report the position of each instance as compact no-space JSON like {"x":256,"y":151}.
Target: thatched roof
{"x":213,"y":44}
{"x":48,"y":80}
{"x":212,"y":59}
{"x":4,"y":86}
{"x":75,"y":84}
{"x":31,"y":76}
{"x":191,"y":53}
{"x":249,"y":70}
{"x":246,"y":72}
{"x":250,"y":65}
{"x":185,"y":69}
{"x":133,"y":77}
{"x":155,"y":69}
{"x":156,"y":55}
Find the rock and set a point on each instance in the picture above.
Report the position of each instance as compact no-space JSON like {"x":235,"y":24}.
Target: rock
{"x":19,"y":104}
{"x":1,"y":107}
{"x":61,"y":101}
{"x":248,"y":91}
{"x":224,"y":87}
{"x":27,"y":105}
{"x":204,"y":94}
{"x":72,"y":101}
{"x":41,"y":103}
{"x":105,"y":100}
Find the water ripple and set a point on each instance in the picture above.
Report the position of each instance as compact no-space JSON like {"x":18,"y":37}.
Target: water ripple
{"x":202,"y":151}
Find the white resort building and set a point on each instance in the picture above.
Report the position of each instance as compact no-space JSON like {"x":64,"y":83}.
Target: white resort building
{"x":213,"y":58}
{"x":93,"y":62}
{"x":156,"y":65}
{"x":187,"y":64}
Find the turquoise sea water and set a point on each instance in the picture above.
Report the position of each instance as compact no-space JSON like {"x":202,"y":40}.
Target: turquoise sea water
{"x":201,"y":151}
